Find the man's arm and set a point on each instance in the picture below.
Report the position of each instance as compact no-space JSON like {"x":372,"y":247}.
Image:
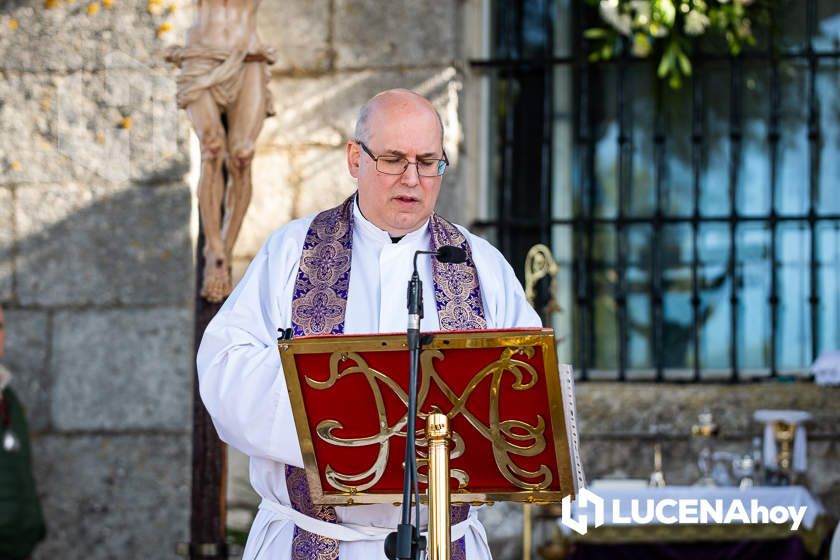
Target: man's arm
{"x":240,"y":376}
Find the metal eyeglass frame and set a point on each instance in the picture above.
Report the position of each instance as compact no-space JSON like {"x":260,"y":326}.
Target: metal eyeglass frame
{"x":442,"y":163}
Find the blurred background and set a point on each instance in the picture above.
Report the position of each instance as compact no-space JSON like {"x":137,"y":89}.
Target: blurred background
{"x":685,"y":181}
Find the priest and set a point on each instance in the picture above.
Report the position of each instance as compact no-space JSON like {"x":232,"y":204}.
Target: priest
{"x":345,"y":271}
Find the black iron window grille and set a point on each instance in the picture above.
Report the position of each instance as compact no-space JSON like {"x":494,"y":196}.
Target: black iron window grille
{"x":697,"y":231}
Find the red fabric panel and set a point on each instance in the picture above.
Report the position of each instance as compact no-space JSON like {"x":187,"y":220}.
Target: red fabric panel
{"x":350,"y":401}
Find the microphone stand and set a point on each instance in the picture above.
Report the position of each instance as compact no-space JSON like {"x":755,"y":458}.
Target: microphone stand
{"x":409,"y":542}
{"x":406,"y":543}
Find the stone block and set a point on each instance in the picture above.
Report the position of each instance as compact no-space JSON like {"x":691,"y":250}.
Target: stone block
{"x":290,"y":184}
{"x":323,"y":110}
{"x":312,"y":110}
{"x":372,"y":33}
{"x":271,"y":202}
{"x":823,"y":474}
{"x":27,"y":340}
{"x":451,"y":203}
{"x":299,"y":31}
{"x":7,"y":238}
{"x":641,"y":408}
{"x":242,"y":500}
{"x":119,"y":124}
{"x":503,"y":524}
{"x":79,"y":245}
{"x":27,"y":130}
{"x":122,"y":369}
{"x":113,"y":496}
{"x":72,"y":36}
{"x":633,"y":458}
{"x":122,"y":124}
{"x":239,"y":266}
{"x":319,"y":179}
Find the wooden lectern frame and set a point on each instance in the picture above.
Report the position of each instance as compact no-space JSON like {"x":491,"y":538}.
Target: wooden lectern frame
{"x":501,"y":390}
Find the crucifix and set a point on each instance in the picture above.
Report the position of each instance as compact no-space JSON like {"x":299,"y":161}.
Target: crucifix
{"x":223,"y":86}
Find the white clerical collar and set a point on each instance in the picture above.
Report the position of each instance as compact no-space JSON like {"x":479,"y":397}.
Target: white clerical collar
{"x":373,"y":233}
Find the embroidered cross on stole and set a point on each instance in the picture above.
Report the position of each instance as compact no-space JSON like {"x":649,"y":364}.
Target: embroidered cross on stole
{"x":318,"y":305}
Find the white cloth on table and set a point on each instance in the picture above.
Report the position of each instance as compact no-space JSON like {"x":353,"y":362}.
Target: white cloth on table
{"x":826,"y":369}
{"x":800,"y":437}
{"x":242,"y":384}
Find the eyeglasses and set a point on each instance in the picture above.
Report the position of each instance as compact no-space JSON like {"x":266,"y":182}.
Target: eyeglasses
{"x":395,"y":165}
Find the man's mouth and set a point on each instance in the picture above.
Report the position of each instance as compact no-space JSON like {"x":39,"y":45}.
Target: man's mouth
{"x":406,"y":199}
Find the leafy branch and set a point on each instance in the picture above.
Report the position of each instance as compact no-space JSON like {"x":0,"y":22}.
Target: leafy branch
{"x":670,"y":29}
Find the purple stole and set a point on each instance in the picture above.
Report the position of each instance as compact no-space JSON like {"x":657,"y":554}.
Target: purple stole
{"x":318,"y":306}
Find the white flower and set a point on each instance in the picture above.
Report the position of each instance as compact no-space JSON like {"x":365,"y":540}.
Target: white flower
{"x":609,"y":12}
{"x":642,"y":9}
{"x":695,"y":23}
{"x":608,"y":9}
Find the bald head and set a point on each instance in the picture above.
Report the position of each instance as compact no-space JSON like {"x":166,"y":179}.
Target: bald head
{"x":392,"y":101}
{"x":397,"y":125}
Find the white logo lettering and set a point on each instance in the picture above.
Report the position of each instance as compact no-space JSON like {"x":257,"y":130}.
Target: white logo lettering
{"x":737,"y":512}
{"x":797,"y":515}
{"x":584,"y":498}
{"x":637,"y":516}
{"x":669,"y":511}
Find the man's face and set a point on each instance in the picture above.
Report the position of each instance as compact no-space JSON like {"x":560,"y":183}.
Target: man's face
{"x":398,"y":204}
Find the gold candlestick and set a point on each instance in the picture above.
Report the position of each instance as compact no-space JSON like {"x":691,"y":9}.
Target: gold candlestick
{"x":657,"y":478}
{"x":784,"y":434}
{"x":437,"y":432}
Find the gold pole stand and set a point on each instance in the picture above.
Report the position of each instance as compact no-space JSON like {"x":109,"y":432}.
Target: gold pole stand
{"x":527,"y":530}
{"x":437,"y":432}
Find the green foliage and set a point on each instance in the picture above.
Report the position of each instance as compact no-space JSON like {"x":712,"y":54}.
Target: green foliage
{"x":670,"y":29}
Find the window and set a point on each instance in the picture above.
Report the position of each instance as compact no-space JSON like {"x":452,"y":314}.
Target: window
{"x":697,"y":231}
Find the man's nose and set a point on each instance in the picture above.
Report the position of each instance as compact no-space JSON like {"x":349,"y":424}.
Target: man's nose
{"x":410,"y":176}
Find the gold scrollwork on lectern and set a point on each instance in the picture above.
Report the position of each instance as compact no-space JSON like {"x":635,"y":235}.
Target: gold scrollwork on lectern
{"x":509,"y":438}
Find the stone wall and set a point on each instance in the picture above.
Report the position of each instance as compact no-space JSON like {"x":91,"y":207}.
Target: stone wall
{"x":96,"y":263}
{"x":96,"y":270}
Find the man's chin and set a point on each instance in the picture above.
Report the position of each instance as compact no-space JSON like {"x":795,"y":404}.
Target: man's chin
{"x":405,"y":224}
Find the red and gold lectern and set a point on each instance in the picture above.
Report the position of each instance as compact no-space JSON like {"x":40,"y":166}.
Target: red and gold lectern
{"x":510,"y":411}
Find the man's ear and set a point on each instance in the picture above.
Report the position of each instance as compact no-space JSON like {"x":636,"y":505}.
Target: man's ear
{"x":354,"y":154}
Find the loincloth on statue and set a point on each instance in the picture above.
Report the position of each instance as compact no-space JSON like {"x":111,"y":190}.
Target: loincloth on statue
{"x":217,"y":71}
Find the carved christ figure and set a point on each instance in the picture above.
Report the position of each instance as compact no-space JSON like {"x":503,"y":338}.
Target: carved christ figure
{"x":224,"y":74}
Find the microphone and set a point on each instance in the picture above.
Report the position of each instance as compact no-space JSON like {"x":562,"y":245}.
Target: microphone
{"x":448,"y":254}
{"x":451,"y":254}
